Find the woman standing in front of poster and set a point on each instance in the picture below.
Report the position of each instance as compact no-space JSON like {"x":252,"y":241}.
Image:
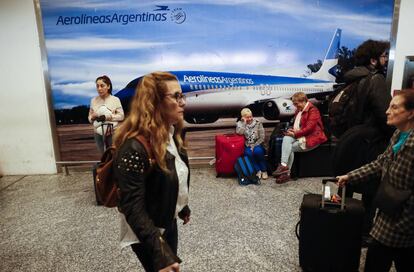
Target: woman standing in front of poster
{"x":104,"y":113}
{"x":153,"y":174}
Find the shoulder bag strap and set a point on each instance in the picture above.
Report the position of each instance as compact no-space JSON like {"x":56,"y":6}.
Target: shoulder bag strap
{"x":362,"y":95}
{"x":144,"y":141}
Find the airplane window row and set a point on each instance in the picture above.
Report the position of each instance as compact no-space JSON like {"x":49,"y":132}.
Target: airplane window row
{"x":268,"y":88}
{"x":206,"y":87}
{"x":263,"y":88}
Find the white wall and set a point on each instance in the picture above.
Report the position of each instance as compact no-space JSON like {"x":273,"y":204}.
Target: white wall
{"x":26,"y":143}
{"x":405,"y":42}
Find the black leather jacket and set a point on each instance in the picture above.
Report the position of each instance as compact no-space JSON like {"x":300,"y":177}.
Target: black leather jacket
{"x":148,"y":198}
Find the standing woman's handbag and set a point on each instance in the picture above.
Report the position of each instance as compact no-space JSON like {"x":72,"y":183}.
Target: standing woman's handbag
{"x":389,"y":199}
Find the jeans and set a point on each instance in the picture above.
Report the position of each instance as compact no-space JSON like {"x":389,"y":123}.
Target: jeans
{"x":257,"y":156}
{"x":291,"y":145}
{"x":100,"y":142}
{"x":144,"y":255}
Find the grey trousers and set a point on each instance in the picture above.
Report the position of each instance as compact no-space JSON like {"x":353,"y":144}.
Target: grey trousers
{"x":291,"y":145}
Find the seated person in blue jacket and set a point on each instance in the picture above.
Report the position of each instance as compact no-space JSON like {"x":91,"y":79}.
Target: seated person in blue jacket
{"x":306,"y":134}
{"x":254,"y":135}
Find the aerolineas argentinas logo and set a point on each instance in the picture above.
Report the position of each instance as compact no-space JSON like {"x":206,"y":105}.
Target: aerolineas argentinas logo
{"x":178,"y":15}
{"x":159,"y":14}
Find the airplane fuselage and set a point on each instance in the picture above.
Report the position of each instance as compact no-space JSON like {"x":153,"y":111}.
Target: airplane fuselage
{"x":213,"y":92}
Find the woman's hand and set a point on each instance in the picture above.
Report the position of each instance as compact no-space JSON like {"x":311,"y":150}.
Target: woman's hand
{"x":342,"y":180}
{"x":175,"y":267}
{"x":290,"y":132}
{"x":186,"y":219}
{"x":252,"y":148}
{"x":94,"y":116}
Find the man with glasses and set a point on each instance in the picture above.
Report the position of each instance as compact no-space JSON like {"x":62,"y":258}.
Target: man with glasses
{"x":368,"y":134}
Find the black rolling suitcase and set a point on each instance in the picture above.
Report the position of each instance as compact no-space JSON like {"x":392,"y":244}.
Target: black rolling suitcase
{"x":329,"y":234}
{"x":105,"y":133}
{"x":275,"y":151}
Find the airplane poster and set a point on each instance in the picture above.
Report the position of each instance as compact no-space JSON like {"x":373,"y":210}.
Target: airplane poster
{"x":128,"y":39}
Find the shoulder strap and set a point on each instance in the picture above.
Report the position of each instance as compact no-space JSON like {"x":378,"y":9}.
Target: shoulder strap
{"x":361,"y":95}
{"x":144,"y":141}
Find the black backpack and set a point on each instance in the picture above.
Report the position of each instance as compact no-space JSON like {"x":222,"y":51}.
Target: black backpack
{"x":346,"y":106}
{"x":370,"y":142}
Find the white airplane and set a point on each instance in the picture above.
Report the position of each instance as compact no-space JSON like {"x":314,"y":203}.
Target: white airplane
{"x":211,"y":95}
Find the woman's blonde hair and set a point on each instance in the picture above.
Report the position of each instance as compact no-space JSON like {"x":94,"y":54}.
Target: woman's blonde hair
{"x":245,"y":111}
{"x":299,"y":97}
{"x":147,"y":117}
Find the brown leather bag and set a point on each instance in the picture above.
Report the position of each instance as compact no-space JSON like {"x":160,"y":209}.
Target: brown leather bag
{"x":106,"y":186}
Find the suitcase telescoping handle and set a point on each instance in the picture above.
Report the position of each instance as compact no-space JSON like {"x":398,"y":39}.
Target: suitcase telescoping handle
{"x":324,"y":182}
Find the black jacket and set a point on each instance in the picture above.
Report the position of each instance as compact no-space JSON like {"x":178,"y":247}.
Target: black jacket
{"x":375,"y":98}
{"x":148,"y":198}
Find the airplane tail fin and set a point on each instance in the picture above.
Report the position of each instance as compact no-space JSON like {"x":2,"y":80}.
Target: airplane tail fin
{"x":328,"y":69}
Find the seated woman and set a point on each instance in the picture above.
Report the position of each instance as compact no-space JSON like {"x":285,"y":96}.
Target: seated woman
{"x":254,"y":133}
{"x":306,"y":134}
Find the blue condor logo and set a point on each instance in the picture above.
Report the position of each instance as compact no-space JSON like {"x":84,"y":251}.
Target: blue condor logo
{"x":159,"y":15}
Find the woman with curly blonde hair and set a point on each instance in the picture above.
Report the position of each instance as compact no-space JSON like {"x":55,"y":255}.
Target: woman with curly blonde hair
{"x":153,"y":195}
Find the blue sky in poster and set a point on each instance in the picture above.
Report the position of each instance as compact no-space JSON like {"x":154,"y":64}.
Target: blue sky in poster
{"x":248,"y":36}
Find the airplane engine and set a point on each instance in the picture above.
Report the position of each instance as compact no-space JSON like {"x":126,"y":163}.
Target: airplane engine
{"x":278,"y":108}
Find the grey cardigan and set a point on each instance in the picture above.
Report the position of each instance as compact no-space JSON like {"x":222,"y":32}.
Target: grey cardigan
{"x":254,"y":132}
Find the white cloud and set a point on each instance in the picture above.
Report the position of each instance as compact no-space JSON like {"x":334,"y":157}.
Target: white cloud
{"x":65,"y":105}
{"x":97,"y":44}
{"x":203,"y":60}
{"x":85,"y":89}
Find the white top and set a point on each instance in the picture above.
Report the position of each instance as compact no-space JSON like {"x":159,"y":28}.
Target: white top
{"x":109,"y":106}
{"x":296,"y":126}
{"x":127,"y":235}
{"x":182,"y":174}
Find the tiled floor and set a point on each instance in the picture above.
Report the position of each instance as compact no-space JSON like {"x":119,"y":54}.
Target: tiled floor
{"x":51,"y":223}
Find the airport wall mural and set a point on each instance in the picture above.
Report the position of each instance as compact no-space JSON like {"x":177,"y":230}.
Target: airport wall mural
{"x":226,"y":54}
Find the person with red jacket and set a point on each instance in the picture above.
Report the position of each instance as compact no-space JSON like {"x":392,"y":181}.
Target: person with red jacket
{"x":306,"y":134}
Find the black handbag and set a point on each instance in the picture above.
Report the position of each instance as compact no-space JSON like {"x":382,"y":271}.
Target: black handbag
{"x":389,"y":199}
